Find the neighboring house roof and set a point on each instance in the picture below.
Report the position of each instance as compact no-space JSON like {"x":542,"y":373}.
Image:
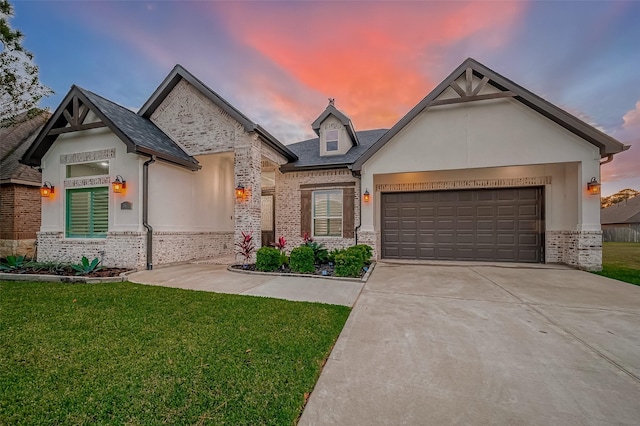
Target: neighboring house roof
{"x":14,"y":141}
{"x":309,"y":157}
{"x":346,"y":121}
{"x":606,"y":144}
{"x":627,"y":211}
{"x":178,"y":73}
{"x":138,"y":133}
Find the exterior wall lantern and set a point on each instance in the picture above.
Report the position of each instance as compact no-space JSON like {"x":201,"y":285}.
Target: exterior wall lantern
{"x":366,"y":197}
{"x":119,"y":184}
{"x":240,"y":192}
{"x":593,"y":186}
{"x":46,"y":189}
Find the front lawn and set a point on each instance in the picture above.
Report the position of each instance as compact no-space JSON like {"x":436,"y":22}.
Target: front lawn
{"x":124,"y":353}
{"x":621,"y":261}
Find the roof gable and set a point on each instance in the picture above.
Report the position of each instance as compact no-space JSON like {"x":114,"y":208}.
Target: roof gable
{"x":506,"y":89}
{"x":346,"y":121}
{"x":16,"y":138}
{"x":180,"y":73}
{"x":626,"y":211}
{"x":138,"y":134}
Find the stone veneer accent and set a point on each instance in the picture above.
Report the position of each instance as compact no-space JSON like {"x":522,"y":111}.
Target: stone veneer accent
{"x":118,"y":249}
{"x":170,"y":247}
{"x":288,"y":204}
{"x":197,"y":124}
{"x":582,"y":249}
{"x":464,"y":184}
{"x":371,"y":239}
{"x":84,"y":157}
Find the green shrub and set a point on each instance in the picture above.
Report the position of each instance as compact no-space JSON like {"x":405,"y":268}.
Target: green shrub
{"x":365,"y":250}
{"x":268,"y":259}
{"x":85,"y":267}
{"x":349,"y":263}
{"x":301,"y":260}
{"x":331,"y":257}
{"x":320,"y":253}
{"x":284,"y":259}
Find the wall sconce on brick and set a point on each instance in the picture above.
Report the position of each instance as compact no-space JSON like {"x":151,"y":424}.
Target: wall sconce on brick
{"x":593,"y":187}
{"x":240,"y":192}
{"x":119,"y":185}
{"x":46,"y":189}
{"x":366,"y":197}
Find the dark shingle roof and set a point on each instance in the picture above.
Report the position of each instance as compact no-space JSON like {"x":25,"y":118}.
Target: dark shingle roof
{"x":308,"y":152}
{"x":14,"y":141}
{"x":141,"y":131}
{"x":627,"y":211}
{"x":138,"y":133}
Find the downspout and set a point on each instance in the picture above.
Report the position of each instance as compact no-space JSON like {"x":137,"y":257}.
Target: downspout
{"x":608,"y":160}
{"x":145,"y":210}
{"x":357,"y":228}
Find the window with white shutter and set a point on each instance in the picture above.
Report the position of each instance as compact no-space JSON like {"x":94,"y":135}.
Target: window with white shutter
{"x":327,"y":213}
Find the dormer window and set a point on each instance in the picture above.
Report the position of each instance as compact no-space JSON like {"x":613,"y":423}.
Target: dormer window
{"x":332,"y":140}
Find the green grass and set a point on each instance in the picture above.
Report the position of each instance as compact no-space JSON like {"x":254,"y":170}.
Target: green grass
{"x":621,"y":261}
{"x":139,"y":355}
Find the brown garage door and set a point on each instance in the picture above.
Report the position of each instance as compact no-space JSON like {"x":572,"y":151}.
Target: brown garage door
{"x":502,"y":225}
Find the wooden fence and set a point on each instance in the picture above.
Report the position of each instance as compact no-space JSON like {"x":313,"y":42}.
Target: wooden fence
{"x":621,"y":233}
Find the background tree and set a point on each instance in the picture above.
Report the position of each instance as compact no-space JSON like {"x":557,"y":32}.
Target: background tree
{"x":20,"y":88}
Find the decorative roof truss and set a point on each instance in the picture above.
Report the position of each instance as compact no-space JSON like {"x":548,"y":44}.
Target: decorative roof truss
{"x":470,"y":93}
{"x":75,"y":112}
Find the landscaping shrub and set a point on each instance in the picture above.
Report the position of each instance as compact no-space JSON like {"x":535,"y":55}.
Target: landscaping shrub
{"x":301,"y":259}
{"x":331,"y":257}
{"x":349,"y":263}
{"x":268,"y":259}
{"x":320,"y":253}
{"x":365,"y":250}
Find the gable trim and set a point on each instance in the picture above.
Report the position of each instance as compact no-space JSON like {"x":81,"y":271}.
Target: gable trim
{"x":605,"y":143}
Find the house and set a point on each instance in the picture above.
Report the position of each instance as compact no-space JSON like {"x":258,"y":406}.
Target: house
{"x":481,"y":169}
{"x":621,"y":221}
{"x":19,"y":186}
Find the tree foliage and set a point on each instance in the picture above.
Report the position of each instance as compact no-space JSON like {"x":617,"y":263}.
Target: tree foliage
{"x":20,"y":87}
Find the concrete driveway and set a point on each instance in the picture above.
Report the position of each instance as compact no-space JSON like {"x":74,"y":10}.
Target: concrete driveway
{"x":440,"y":345}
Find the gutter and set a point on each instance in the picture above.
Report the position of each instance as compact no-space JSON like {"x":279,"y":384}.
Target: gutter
{"x":145,"y":210}
{"x":357,"y":228}
{"x":608,"y":160}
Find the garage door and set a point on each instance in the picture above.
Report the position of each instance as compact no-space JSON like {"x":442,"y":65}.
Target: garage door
{"x":502,"y":225}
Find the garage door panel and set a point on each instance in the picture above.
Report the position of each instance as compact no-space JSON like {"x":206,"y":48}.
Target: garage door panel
{"x":486,"y":224}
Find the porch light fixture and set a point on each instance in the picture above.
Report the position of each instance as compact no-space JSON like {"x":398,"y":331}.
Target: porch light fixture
{"x":366,"y":197}
{"x":240,"y":192}
{"x":119,"y":184}
{"x":46,"y":189}
{"x":593,"y":186}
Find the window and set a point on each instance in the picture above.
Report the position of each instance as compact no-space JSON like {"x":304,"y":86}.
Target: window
{"x":88,"y":169}
{"x":87,"y":212}
{"x":327,"y":213}
{"x":332,"y":140}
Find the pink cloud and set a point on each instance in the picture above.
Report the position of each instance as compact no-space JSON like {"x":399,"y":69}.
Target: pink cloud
{"x":625,"y":168}
{"x":372,"y":57}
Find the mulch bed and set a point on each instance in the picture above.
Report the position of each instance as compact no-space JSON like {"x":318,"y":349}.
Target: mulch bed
{"x":68,"y":271}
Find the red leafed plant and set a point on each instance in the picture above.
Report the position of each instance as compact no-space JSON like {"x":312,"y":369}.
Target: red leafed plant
{"x":307,"y":238}
{"x":246,"y":247}
{"x":281,"y":244}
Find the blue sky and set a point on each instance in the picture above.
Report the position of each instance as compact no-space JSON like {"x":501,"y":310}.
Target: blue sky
{"x":278,"y":62}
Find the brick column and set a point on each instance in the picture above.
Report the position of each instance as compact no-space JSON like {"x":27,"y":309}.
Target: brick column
{"x":247,"y":170}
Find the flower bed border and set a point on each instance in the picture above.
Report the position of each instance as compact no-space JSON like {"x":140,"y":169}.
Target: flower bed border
{"x":4,"y":276}
{"x":363,"y":279}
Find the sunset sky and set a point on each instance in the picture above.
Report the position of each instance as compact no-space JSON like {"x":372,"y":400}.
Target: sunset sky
{"x":278,"y":62}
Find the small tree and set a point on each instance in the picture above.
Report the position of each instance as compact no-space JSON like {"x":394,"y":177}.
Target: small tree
{"x":20,"y":87}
